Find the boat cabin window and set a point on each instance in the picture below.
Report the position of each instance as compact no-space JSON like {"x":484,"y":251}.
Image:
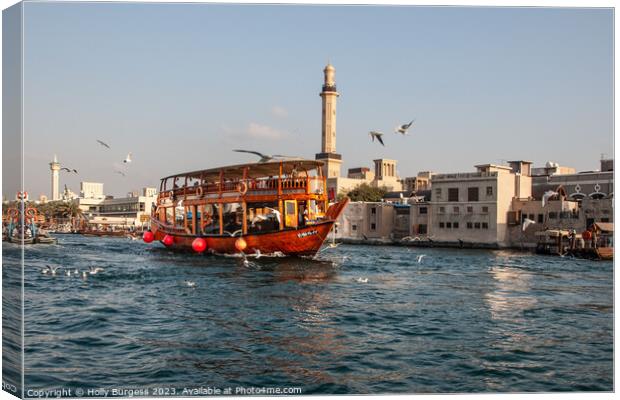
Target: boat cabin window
{"x":169,"y":214}
{"x":233,"y":217}
{"x":209,"y":218}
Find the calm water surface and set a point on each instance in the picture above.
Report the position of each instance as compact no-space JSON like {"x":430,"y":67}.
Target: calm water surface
{"x":458,"y":321}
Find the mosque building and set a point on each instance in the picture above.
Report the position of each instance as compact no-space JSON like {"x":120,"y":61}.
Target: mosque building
{"x":384,"y":169}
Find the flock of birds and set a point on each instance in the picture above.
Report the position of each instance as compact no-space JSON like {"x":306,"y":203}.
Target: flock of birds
{"x":126,"y":161}
{"x":402,"y":129}
{"x":51,"y":270}
{"x":263,"y":158}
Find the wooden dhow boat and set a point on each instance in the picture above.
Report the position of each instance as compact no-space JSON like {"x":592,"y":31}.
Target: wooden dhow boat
{"x":260,"y":208}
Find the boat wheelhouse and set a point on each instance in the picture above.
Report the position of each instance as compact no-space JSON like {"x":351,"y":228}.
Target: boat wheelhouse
{"x":278,"y":206}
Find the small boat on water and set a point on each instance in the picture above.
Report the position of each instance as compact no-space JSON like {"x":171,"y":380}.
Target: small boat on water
{"x":259,"y":208}
{"x":23,"y":229}
{"x":593,"y":243}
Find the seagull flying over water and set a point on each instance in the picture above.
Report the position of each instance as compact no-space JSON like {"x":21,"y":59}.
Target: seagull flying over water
{"x":190,"y":284}
{"x":420,"y":257}
{"x":362,"y":280}
{"x":103,"y":143}
{"x":120,"y":172}
{"x":68,"y":169}
{"x":404,"y":128}
{"x":377,"y":135}
{"x":127,"y":159}
{"x":263,"y":157}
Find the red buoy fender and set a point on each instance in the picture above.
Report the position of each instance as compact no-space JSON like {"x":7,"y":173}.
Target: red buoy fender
{"x":148,"y":236}
{"x":199,"y":245}
{"x":168,"y":240}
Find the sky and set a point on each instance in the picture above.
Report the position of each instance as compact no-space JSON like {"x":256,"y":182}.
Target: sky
{"x":182,"y":85}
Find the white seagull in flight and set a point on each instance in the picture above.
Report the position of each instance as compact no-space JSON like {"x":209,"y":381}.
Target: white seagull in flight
{"x":404,"y":128}
{"x":263,"y":157}
{"x":547,"y":195}
{"x":128,"y":158}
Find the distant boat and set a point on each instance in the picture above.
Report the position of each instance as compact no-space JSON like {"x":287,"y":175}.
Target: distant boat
{"x":261,"y":208}
{"x":22,"y":231}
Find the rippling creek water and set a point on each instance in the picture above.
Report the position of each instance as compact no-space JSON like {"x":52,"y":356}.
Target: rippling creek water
{"x":360,"y":319}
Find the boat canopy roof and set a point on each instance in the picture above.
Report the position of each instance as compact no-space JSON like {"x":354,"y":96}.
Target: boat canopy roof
{"x":604,"y":226}
{"x":254,"y":170}
{"x":555,"y":233}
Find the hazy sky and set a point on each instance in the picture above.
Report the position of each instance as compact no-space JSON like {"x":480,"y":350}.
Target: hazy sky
{"x":181,"y":85}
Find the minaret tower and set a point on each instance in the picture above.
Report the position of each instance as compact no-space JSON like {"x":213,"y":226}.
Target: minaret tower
{"x":328,"y":154}
{"x":55,"y":168}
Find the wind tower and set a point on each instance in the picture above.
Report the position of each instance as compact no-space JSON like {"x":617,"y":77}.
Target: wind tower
{"x":328,"y":154}
{"x":55,"y":168}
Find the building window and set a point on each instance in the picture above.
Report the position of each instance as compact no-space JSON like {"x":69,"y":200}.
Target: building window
{"x":455,"y":225}
{"x":489,"y":190}
{"x":477,"y":225}
{"x":453,"y":194}
{"x":442,"y":210}
{"x":373,"y":226}
{"x":470,"y":225}
{"x":449,"y":225}
{"x":373,"y":210}
{"x":485,"y":209}
{"x":422,"y":229}
{"x":553,"y":215}
{"x":541,"y":218}
{"x":470,"y":210}
{"x":485,"y":225}
{"x":531,"y":216}
{"x":353,"y":227}
{"x":423,"y":210}
{"x":441,"y":224}
{"x":472,"y":194}
{"x":455,"y":210}
{"x":438,"y":193}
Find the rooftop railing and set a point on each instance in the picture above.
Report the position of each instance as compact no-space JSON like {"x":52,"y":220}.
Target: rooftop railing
{"x":464,"y":175}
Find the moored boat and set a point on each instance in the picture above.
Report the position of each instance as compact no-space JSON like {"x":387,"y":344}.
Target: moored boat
{"x":271,"y":207}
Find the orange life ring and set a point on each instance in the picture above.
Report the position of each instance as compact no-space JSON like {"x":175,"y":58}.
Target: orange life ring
{"x":13,"y":212}
{"x":31,"y":212}
{"x":242,"y":188}
{"x":586,"y":235}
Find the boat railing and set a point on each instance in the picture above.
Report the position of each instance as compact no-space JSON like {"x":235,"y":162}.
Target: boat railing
{"x":259,"y":186}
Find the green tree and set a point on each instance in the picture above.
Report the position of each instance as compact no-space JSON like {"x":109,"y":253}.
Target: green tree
{"x":365,"y":192}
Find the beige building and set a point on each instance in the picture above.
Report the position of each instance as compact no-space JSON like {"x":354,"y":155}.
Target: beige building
{"x":91,"y":190}
{"x":132,"y":210}
{"x":418,"y":183}
{"x":366,"y":221}
{"x":474,"y":207}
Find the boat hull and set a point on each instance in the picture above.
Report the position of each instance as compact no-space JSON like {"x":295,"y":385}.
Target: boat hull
{"x":304,"y":241}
